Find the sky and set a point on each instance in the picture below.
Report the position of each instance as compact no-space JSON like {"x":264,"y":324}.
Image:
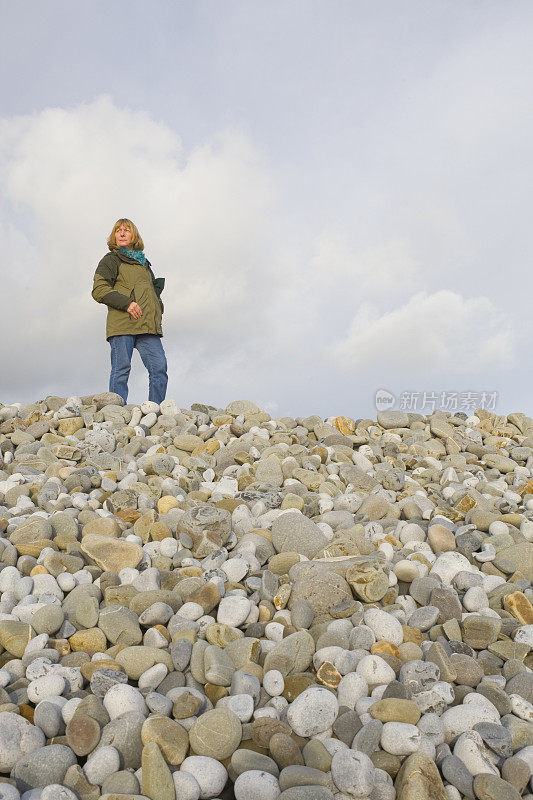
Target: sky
{"x":337,"y":192}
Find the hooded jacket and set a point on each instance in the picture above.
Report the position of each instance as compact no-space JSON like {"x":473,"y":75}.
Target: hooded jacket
{"x":118,"y":281}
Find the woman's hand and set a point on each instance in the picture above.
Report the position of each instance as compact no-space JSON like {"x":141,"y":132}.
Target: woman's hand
{"x":135,"y":310}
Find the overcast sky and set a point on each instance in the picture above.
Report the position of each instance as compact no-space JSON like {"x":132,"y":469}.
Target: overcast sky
{"x":337,"y":192}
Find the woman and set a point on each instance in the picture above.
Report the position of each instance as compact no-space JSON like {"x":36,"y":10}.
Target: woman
{"x":125,"y":283}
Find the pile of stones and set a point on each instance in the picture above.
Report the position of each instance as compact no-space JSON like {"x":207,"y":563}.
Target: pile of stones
{"x":212,"y":603}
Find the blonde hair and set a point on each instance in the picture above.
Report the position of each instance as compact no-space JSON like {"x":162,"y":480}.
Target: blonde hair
{"x":136,"y":241}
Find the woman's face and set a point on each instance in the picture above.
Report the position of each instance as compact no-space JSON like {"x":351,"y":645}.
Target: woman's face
{"x":123,"y":236}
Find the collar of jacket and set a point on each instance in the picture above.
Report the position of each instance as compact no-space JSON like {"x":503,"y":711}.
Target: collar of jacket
{"x":123,"y":257}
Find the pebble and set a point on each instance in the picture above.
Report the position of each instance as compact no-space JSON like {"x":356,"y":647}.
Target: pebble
{"x":400,"y":738}
{"x":43,"y":767}
{"x":209,"y":773}
{"x":353,"y":598}
{"x":186,"y":787}
{"x":255,"y":784}
{"x":216,"y":734}
{"x":491,"y":787}
{"x":352,"y":772}
{"x":101,"y":764}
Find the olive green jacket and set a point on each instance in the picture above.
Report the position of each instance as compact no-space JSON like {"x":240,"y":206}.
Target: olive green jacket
{"x":118,"y":281}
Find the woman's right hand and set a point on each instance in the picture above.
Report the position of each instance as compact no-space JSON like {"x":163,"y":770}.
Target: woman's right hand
{"x":135,"y":310}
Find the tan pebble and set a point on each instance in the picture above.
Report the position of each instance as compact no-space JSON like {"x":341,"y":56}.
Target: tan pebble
{"x":292,"y":501}
{"x":385,"y":647}
{"x":519,"y":606}
{"x":344,"y":425}
{"x":39,"y":570}
{"x":329,"y":675}
{"x":215,"y":693}
{"x":409,"y":651}
{"x":394,"y":709}
{"x":89,"y":668}
{"x":441,"y":539}
{"x":169,"y":735}
{"x":89,"y":640}
{"x":165,"y":503}
{"x":406,"y":570}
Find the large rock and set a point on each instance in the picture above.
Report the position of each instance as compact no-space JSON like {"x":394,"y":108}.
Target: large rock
{"x":293,"y":654}
{"x":209,"y":528}
{"x":14,"y":636}
{"x":111,"y":554}
{"x":321,"y":587}
{"x":216,"y":734}
{"x":419,"y":779}
{"x":295,"y":533}
{"x":18,"y":737}
{"x":43,"y":767}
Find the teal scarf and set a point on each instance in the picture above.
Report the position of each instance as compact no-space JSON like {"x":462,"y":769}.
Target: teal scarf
{"x":138,"y":255}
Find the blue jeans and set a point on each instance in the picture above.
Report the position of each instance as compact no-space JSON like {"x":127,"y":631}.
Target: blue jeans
{"x":153,"y":357}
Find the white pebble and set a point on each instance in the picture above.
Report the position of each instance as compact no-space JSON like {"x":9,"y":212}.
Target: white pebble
{"x":210,"y":774}
{"x":257,"y":784}
{"x":102,"y":763}
{"x":121,"y":698}
{"x":273,"y":682}
{"x":49,"y":685}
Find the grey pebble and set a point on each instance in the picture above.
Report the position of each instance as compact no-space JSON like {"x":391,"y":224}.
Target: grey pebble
{"x":456,"y":773}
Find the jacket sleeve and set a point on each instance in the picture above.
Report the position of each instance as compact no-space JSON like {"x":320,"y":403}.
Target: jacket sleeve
{"x":103,"y":283}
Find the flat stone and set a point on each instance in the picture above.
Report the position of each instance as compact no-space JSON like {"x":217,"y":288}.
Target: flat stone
{"x":352,"y":772}
{"x":516,"y":772}
{"x":244,"y":760}
{"x":397,"y":710}
{"x":137,"y":659}
{"x":83,"y":734}
{"x":292,"y":655}
{"x":393,"y":419}
{"x":124,"y":734}
{"x":456,"y":773}
{"x":518,"y":557}
{"x":295,"y":533}
{"x":479,"y":632}
{"x":42,"y":767}
{"x":283,"y":750}
{"x":419,"y":779}
{"x":496,"y":737}
{"x":171,"y":738}
{"x":321,"y":588}
{"x":490,"y":787}
{"x":216,"y":734}
{"x":368,"y":580}
{"x":18,"y":738}
{"x":111,"y":554}
{"x":313,"y":711}
{"x":157,"y":783}
{"x":14,"y":636}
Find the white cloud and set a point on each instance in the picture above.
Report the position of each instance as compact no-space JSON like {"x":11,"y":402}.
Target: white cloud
{"x":257,"y":303}
{"x":431,"y":333}
{"x":383,"y":267}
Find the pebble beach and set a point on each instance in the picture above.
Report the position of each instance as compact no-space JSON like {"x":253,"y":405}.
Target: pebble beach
{"x":215,"y":603}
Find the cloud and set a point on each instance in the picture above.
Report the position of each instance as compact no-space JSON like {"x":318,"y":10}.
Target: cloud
{"x":258,"y":303}
{"x":383,"y":267}
{"x":431,"y":333}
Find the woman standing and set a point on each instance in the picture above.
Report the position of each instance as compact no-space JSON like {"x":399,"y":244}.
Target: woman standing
{"x":126,"y":284}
